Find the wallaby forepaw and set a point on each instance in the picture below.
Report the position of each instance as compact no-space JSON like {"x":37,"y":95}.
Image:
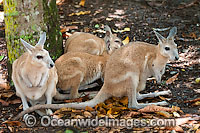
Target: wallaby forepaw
{"x":49,"y":112}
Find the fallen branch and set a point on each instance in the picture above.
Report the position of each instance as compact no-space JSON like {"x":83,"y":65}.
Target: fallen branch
{"x":189,"y":5}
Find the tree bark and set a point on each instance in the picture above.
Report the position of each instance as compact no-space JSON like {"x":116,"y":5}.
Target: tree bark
{"x":26,"y":19}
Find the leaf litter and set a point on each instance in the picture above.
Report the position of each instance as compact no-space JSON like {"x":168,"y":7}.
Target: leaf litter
{"x":114,"y":107}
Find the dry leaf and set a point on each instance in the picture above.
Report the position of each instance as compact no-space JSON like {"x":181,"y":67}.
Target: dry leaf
{"x":130,"y":115}
{"x":79,"y":117}
{"x":80,"y":13}
{"x":155,"y":108}
{"x":124,"y":101}
{"x":191,"y":101}
{"x":109,"y":19}
{"x":58,"y":116}
{"x":196,"y":103}
{"x":12,"y":123}
{"x":87,"y":114}
{"x":108,"y":106}
{"x":82,"y":3}
{"x":162,"y":98}
{"x":112,"y":116}
{"x":120,"y":31}
{"x":197,"y":131}
{"x":196,"y":126}
{"x":197,"y":80}
{"x":7,"y":94}
{"x":176,"y":128}
{"x":59,"y":2}
{"x":15,"y":101}
{"x":164,"y":113}
{"x":176,"y":108}
{"x":100,"y":105}
{"x":5,"y":86}
{"x":176,"y":114}
{"x":126,"y":41}
{"x":172,"y":79}
{"x":66,"y":35}
{"x":191,"y":35}
{"x":4,"y":103}
{"x":102,"y":110}
{"x":62,"y":110}
{"x":81,"y":99}
{"x":67,"y":28}
{"x":181,"y":121}
{"x":87,"y":108}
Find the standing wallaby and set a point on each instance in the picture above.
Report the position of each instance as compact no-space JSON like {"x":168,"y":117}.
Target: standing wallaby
{"x":34,"y":75}
{"x":127,"y":70}
{"x":88,"y":43}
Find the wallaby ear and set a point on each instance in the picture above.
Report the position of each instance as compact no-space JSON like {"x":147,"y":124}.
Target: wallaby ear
{"x":172,"y":33}
{"x":42,"y":40}
{"x":108,"y":30}
{"x":28,"y":46}
{"x":160,"y":37}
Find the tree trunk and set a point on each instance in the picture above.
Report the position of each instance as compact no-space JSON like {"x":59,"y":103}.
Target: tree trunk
{"x":26,"y":19}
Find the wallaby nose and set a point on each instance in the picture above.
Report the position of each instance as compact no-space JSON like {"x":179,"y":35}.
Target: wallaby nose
{"x":176,"y":58}
{"x":51,"y":65}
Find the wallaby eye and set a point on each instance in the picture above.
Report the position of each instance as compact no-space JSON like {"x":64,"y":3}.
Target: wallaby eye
{"x":39,"y":57}
{"x":167,"y":48}
{"x":117,"y":41}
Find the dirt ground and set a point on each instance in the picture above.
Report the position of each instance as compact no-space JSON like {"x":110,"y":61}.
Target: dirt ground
{"x":141,"y":18}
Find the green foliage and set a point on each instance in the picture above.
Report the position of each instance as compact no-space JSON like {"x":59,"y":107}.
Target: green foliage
{"x":1,"y":57}
{"x":69,"y":131}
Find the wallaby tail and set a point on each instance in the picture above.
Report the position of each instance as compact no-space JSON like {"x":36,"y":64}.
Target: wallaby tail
{"x":100,"y":97}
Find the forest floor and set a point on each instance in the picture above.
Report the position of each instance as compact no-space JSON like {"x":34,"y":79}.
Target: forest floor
{"x":141,"y":17}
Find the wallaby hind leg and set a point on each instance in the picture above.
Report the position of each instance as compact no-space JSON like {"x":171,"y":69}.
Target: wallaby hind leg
{"x":132,"y":95}
{"x":155,"y":94}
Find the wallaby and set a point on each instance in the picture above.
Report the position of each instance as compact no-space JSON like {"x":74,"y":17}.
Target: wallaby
{"x":78,"y":69}
{"x":34,"y":75}
{"x":127,"y":70}
{"x":88,"y":43}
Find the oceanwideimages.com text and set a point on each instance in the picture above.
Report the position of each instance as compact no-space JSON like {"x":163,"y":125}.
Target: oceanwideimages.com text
{"x":47,"y":121}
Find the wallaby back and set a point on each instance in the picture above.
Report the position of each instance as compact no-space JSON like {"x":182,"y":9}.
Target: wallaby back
{"x":88,"y":43}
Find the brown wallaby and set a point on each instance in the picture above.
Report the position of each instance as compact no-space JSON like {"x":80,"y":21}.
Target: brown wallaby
{"x":127,"y":70}
{"x":78,"y":69}
{"x":34,"y":75}
{"x":88,"y":43}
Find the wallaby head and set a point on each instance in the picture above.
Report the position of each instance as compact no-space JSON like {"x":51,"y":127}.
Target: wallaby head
{"x":112,"y":41}
{"x":39,"y":56}
{"x":167,"y":46}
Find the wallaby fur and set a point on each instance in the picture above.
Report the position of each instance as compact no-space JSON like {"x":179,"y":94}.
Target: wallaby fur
{"x":34,"y":75}
{"x":88,"y":43}
{"x":76,"y":70}
{"x":127,"y":70}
